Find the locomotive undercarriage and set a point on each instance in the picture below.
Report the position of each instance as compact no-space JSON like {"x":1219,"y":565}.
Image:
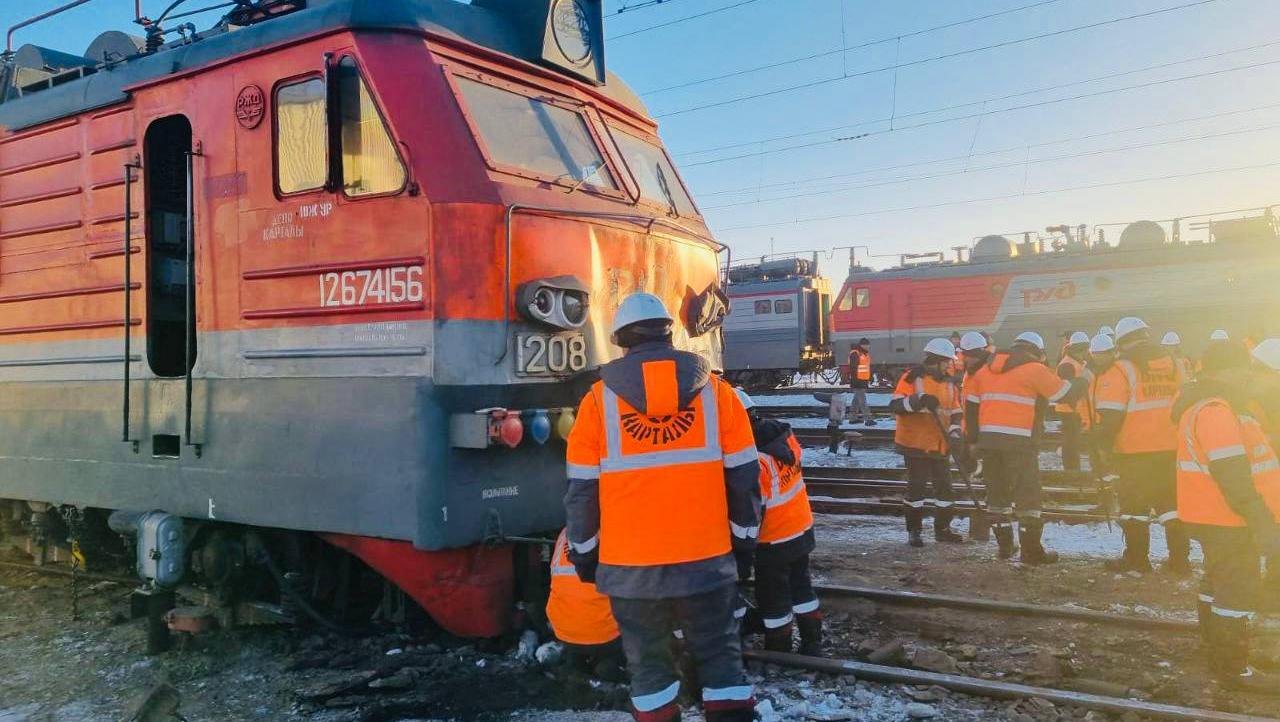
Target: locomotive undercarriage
{"x":235,"y":575}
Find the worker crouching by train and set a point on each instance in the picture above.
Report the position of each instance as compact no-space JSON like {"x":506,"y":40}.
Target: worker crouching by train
{"x":784,"y":590}
{"x":1004,"y":415}
{"x":1228,"y":483}
{"x":663,"y":491}
{"x":1137,"y":440}
{"x":928,"y":410}
{"x":582,"y":619}
{"x":1074,"y":417}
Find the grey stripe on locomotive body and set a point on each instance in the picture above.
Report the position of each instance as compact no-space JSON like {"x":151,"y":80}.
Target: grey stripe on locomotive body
{"x":1193,"y":289}
{"x":326,"y":443}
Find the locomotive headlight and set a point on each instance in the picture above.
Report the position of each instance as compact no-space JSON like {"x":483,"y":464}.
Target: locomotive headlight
{"x":560,"y":302}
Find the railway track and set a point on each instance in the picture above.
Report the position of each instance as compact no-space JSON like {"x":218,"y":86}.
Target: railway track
{"x":999,"y":690}
{"x":837,"y":483}
{"x":881,"y":436}
{"x":962,"y":507}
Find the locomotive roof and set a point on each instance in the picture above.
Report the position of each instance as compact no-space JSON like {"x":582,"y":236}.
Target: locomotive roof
{"x":486,"y":27}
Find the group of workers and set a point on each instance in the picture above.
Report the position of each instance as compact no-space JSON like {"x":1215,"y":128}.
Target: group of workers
{"x":678,"y":493}
{"x":1188,"y":447}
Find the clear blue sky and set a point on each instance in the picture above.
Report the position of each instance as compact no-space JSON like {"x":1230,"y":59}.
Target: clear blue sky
{"x":754,"y":202}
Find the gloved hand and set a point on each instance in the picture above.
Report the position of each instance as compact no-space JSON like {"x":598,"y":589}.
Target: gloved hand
{"x":586,"y":571}
{"x":929,"y":401}
{"x":746,"y":560}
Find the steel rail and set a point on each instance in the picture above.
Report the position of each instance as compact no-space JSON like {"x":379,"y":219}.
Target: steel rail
{"x":1018,"y":609}
{"x":999,"y":690}
{"x":855,"y":488}
{"x":849,"y":507}
{"x":59,"y":572}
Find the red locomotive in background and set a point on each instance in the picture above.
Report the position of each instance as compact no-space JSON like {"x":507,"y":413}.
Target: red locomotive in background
{"x":1076,"y":281}
{"x":332,"y":269}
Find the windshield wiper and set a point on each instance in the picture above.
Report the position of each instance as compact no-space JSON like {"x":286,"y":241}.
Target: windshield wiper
{"x":666,"y":192}
{"x":588,"y":173}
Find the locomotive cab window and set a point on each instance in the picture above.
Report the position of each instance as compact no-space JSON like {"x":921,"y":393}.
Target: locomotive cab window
{"x":783,"y":306}
{"x":862,"y":298}
{"x":302,"y":136}
{"x":763,"y":307}
{"x":371,"y":164}
{"x":535,"y":138}
{"x":655,"y":175}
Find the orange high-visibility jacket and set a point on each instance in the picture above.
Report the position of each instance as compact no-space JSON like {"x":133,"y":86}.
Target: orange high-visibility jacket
{"x":860,"y":365}
{"x":919,"y":429}
{"x":1007,"y":399}
{"x":1146,"y":400}
{"x":786,"y":502}
{"x":662,"y":472}
{"x":578,"y":613}
{"x":1211,"y":432}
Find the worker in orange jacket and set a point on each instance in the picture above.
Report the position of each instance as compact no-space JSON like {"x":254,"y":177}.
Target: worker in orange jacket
{"x":1266,"y":408}
{"x":1004,"y":417}
{"x":1074,"y":418}
{"x":1229,"y":498}
{"x":1137,"y":440}
{"x":581,"y":618}
{"x":860,"y":377}
{"x":928,"y":410}
{"x":663,"y":498}
{"x":784,"y":590}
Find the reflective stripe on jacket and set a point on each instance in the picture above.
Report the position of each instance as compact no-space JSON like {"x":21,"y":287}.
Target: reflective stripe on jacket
{"x":577,"y":611}
{"x":919,"y":429}
{"x":1010,"y":401}
{"x":662,"y":472}
{"x":787,"y":514}
{"x":1146,"y":400}
{"x":1211,"y":432}
{"x":860,"y":364}
{"x":1076,"y":372}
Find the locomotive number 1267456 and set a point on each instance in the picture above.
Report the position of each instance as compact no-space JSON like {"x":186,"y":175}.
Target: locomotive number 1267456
{"x":398,"y":284}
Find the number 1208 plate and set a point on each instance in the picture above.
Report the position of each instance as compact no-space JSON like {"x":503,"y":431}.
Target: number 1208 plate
{"x":540,"y":354}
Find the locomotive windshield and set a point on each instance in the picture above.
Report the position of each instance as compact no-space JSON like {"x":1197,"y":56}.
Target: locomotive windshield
{"x":655,"y":175}
{"x":531,"y":135}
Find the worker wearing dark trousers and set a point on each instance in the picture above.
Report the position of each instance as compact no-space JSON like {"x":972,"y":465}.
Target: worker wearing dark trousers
{"x":926,"y":404}
{"x":1073,"y":417}
{"x":859,"y":381}
{"x":784,"y":590}
{"x":663,"y":501}
{"x":1137,"y":439}
{"x":1004,"y":415}
{"x":974,"y":355}
{"x":1266,"y":408}
{"x":1228,"y":482}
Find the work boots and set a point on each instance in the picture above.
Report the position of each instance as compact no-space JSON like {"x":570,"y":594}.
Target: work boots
{"x":665,"y":713}
{"x":942,"y":532}
{"x":1004,"y":540}
{"x":1229,"y":658}
{"x":736,"y":714}
{"x":1033,"y":552}
{"x":979,"y":527}
{"x":1137,"y":549}
{"x":778,"y":640}
{"x":810,"y":626}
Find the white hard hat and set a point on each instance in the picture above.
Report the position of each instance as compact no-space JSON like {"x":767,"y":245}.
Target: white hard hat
{"x":973,"y":341}
{"x":1171,"y":339}
{"x":1101,"y":344}
{"x":636,"y":308}
{"x":1078,"y":338}
{"x":1106,"y":331}
{"x":941,"y":347}
{"x":1128,"y":325}
{"x":1267,"y":353}
{"x":1219,"y":335}
{"x":1030,"y":337}
{"x":745,"y":398}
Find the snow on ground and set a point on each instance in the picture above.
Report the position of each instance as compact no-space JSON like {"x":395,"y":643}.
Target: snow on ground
{"x":821,"y":423}
{"x":789,"y":400}
{"x":861,"y":458}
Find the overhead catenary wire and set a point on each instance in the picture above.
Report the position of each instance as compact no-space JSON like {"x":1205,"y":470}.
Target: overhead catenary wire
{"x":1000,"y":166}
{"x":640,"y":6}
{"x":971,"y":116}
{"x":1006,"y":196}
{"x":678,"y":21}
{"x":849,"y":48}
{"x":981,"y":102}
{"x":933,"y":59}
{"x":995,"y":151}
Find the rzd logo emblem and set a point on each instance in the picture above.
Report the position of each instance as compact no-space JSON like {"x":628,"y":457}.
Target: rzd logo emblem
{"x":657,"y":429}
{"x":1061,"y":291}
